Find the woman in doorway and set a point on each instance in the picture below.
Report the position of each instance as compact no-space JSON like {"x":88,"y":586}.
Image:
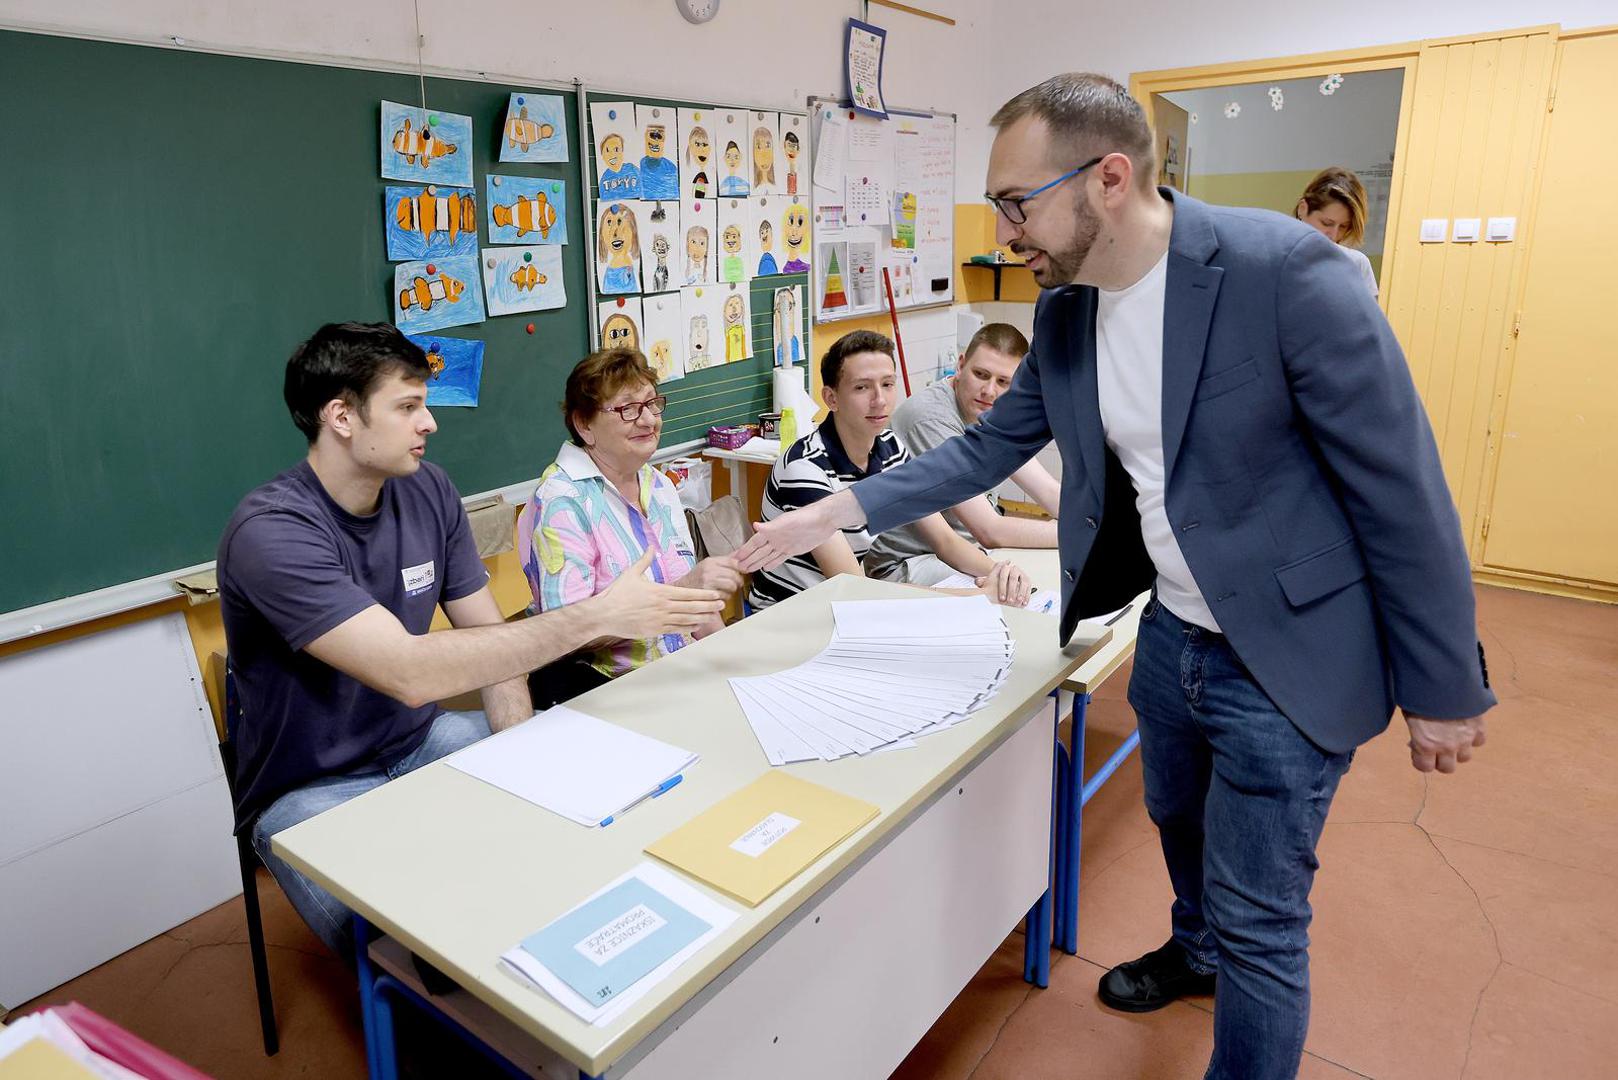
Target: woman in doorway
{"x":1334,"y":203}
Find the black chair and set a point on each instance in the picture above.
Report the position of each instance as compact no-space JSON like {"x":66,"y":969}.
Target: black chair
{"x":247,"y":856}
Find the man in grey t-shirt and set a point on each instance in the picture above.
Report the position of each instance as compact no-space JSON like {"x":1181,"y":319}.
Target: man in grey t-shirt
{"x":942,"y":411}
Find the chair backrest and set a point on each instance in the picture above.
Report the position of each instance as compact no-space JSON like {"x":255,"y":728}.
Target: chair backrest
{"x":719,"y":529}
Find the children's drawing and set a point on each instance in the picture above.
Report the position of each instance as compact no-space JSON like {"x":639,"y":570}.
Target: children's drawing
{"x":732,"y":167}
{"x":700,"y":220}
{"x":620,"y":323}
{"x":833,"y":257}
{"x":660,"y":245}
{"x":696,"y":157}
{"x":763,"y":235}
{"x":904,"y":221}
{"x":523,"y":279}
{"x":665,"y":335}
{"x":659,"y":140}
{"x":618,"y":247}
{"x":795,"y":238}
{"x":455,"y":369}
{"x":433,"y":295}
{"x":526,"y":210}
{"x":788,"y":325}
{"x":704,"y":333}
{"x":738,"y":324}
{"x":535,"y":128}
{"x":613,"y":123}
{"x":429,"y":222}
{"x":763,"y":134}
{"x":426,"y":146}
{"x":794,"y":134}
{"x":733,"y":218}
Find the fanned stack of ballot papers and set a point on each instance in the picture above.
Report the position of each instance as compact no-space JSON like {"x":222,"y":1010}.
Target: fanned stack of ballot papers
{"x":611,"y":950}
{"x":575,"y":765}
{"x":895,"y":670}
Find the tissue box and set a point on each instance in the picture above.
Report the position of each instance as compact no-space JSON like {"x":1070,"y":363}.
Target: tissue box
{"x":732,"y":437}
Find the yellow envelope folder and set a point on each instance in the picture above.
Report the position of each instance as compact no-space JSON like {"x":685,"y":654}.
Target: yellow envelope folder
{"x":750,"y":843}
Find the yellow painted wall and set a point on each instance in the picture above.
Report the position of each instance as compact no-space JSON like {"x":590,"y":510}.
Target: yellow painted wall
{"x":1476,"y":123}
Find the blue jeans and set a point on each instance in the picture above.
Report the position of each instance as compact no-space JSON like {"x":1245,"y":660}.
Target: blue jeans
{"x":1239,"y":797}
{"x":326,"y":915}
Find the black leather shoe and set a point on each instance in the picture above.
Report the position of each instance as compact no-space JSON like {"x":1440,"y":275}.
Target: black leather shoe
{"x":1153,"y":981}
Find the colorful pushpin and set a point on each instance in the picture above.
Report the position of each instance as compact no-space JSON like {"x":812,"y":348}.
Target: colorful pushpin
{"x":612,"y":114}
{"x":696,"y":116}
{"x":621,"y":301}
{"x":432,"y":189}
{"x":431,"y":269}
{"x":495,"y":180}
{"x":432,"y":121}
{"x":851,"y":114}
{"x":520,"y":101}
{"x":489,"y":263}
{"x":555,"y":188}
{"x":527,"y":256}
{"x":530,"y":328}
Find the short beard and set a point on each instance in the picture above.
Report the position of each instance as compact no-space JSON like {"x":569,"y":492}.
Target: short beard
{"x":1062,"y":267}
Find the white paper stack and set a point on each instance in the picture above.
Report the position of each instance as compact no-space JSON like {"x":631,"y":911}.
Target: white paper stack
{"x":895,"y":669}
{"x":1044,"y":601}
{"x":575,"y":765}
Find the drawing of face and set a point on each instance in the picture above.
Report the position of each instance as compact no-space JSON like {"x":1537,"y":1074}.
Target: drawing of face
{"x":660,"y":247}
{"x":696,"y":245}
{"x":612,"y":151}
{"x":733,"y":311}
{"x":732,"y":239}
{"x":733,"y":157}
{"x":660,"y":359}
{"x":619,"y":244}
{"x":654,"y":140}
{"x":793,"y":224}
{"x":618,"y":332}
{"x":766,"y":235}
{"x":789,"y":145}
{"x":763,"y":149}
{"x":699,"y":336}
{"x":697,"y":147}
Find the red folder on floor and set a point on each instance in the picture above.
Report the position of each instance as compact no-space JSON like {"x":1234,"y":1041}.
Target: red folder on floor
{"x":119,"y":1046}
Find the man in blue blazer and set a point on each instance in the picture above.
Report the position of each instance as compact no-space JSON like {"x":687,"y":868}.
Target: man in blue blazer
{"x":1239,"y":432}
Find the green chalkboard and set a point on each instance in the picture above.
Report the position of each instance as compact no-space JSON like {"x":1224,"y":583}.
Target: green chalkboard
{"x":179,"y":222}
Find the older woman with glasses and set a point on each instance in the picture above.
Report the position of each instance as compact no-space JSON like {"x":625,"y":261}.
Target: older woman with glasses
{"x":601,"y":511}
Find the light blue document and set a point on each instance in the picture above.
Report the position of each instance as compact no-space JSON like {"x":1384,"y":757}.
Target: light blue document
{"x":608,"y":944}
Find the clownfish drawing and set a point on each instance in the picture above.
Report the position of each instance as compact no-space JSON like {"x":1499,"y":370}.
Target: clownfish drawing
{"x":426,"y":214}
{"x":435,"y":362}
{"x":412,"y":145}
{"x":522,"y":132}
{"x":527,"y":277}
{"x":528,"y":215}
{"x":423,"y":293}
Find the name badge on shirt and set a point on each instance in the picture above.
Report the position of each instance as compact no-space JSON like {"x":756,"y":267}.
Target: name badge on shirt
{"x":418,"y":578}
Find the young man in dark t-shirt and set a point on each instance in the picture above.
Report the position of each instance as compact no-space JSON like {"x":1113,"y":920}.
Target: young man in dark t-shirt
{"x":328,"y":579}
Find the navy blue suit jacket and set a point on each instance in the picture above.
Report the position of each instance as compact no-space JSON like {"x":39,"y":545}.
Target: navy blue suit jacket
{"x":1302,"y":480}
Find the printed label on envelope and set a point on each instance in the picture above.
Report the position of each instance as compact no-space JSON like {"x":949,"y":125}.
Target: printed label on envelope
{"x":763,"y":836}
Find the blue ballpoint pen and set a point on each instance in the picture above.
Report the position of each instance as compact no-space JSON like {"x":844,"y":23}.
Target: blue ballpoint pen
{"x":665,"y":786}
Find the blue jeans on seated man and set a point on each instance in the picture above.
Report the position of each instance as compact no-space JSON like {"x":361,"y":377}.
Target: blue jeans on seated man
{"x":1239,"y":797}
{"x":326,"y":915}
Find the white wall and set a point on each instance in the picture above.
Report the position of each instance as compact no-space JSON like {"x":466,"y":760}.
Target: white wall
{"x":756,"y":52}
{"x":1043,"y":37}
{"x":1354,"y":126}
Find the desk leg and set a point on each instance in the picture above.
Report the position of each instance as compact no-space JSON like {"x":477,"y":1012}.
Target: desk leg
{"x":367,"y":980}
{"x":1037,"y":928}
{"x":738,"y":481}
{"x":1067,"y":932}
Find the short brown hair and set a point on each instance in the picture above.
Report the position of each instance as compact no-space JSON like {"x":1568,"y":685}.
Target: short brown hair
{"x":597,"y":379}
{"x":1089,"y":115}
{"x":1337,"y":184}
{"x":1001,"y":337}
{"x":856,"y":341}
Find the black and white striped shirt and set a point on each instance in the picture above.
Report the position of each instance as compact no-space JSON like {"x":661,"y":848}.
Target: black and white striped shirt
{"x":812,"y":468}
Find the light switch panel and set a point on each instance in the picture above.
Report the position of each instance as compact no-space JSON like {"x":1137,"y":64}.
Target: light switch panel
{"x":1502,"y":229}
{"x":1466,"y":230}
{"x":1434,"y":230}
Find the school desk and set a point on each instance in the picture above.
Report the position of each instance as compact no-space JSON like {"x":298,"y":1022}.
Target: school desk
{"x":839,"y":973}
{"x":1043,"y":567}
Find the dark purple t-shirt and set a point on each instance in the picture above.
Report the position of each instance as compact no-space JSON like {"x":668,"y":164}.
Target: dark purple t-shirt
{"x":293,"y":565}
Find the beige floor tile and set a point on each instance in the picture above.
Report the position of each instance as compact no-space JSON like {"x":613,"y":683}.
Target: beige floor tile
{"x":1528,"y":1028}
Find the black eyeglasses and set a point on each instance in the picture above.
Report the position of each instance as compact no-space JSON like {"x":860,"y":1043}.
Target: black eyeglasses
{"x":631,"y":412}
{"x":1010,"y":206}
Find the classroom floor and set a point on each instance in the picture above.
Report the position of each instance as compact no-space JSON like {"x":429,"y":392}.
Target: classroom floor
{"x":1465,"y":926}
